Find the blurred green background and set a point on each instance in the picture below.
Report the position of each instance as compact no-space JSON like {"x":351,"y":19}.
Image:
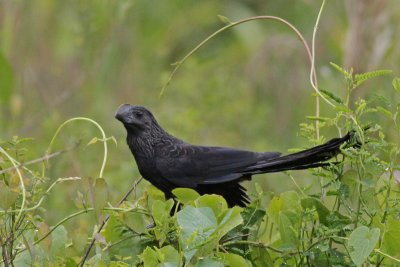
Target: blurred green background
{"x":248,"y":88}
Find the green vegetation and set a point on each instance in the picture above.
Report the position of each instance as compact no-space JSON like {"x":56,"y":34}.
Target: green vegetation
{"x":65,"y":189}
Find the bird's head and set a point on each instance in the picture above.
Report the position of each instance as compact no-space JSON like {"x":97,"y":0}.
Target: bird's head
{"x":136,"y":119}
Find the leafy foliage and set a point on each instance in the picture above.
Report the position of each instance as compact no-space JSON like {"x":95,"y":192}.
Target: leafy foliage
{"x":348,"y":218}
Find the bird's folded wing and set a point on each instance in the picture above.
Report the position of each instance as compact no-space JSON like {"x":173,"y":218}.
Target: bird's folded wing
{"x":189,"y":166}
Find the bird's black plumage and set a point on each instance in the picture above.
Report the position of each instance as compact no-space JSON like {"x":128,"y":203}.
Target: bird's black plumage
{"x":168,"y":162}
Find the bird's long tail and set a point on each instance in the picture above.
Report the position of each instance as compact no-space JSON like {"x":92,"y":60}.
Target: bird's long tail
{"x":309,"y":158}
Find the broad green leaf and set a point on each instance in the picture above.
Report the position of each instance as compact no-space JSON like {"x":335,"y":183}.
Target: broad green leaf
{"x":59,"y":240}
{"x":6,"y":79}
{"x":233,"y":260}
{"x":252,"y":216}
{"x":153,"y":193}
{"x":149,"y":257}
{"x":349,"y":187}
{"x":323,"y":212}
{"x":197,"y":225}
{"x":287,"y":201}
{"x":185,"y":195}
{"x":288,"y":232}
{"x":207,"y":262}
{"x":338,"y":220}
{"x":201,"y":220}
{"x":161,"y":210}
{"x":391,"y":237}
{"x":215,"y":202}
{"x":261,"y":257}
{"x":161,"y":213}
{"x":168,"y":257}
{"x":137,"y":221}
{"x":229,"y":220}
{"x":362,"y":242}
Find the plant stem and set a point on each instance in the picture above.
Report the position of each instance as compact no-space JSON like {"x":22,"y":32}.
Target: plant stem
{"x":104,"y":222}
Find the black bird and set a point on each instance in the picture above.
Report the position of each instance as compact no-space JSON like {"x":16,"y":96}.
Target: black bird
{"x":168,"y":162}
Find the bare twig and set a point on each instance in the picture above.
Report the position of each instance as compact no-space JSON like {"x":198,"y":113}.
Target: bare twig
{"x":38,"y":160}
{"x":104,"y":222}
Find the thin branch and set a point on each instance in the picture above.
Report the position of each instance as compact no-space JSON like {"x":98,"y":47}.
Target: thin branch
{"x":38,"y":160}
{"x":104,"y":222}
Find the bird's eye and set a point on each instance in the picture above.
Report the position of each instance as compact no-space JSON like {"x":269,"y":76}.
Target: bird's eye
{"x":138,"y":114}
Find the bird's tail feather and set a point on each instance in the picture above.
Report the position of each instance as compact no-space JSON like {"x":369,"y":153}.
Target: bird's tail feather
{"x":309,"y":158}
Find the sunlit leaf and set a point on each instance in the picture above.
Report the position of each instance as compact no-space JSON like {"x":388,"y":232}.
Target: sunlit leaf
{"x":216,"y":202}
{"x":228,"y":220}
{"x":161,"y":210}
{"x":149,"y":257}
{"x":185,"y":195}
{"x":231,"y":259}
{"x":168,"y":256}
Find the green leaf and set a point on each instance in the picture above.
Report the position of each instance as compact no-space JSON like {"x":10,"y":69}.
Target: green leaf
{"x":287,"y":201}
{"x":185,"y":195}
{"x":323,"y":212}
{"x":229,"y":220}
{"x":224,"y":19}
{"x":338,"y":68}
{"x":207,"y":262}
{"x":331,"y":96}
{"x":362,"y":77}
{"x":349,"y":187}
{"x":288,"y":232}
{"x":197,"y":225}
{"x":192,"y":219}
{"x":168,"y":257}
{"x":252,"y":216}
{"x":161,"y":214}
{"x":6,"y":79}
{"x":59,"y":240}
{"x":385,"y":112}
{"x":362,"y":242}
{"x":233,"y":260}
{"x":161,"y":210}
{"x":261,"y":257}
{"x":391,"y":237}
{"x":215,"y":202}
{"x":396,"y":84}
{"x":149,"y":257}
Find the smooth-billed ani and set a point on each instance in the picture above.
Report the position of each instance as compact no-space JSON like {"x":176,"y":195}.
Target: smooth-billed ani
{"x":168,"y":162}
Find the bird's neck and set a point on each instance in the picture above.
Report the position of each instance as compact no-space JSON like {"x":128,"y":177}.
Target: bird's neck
{"x":143,"y":144}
